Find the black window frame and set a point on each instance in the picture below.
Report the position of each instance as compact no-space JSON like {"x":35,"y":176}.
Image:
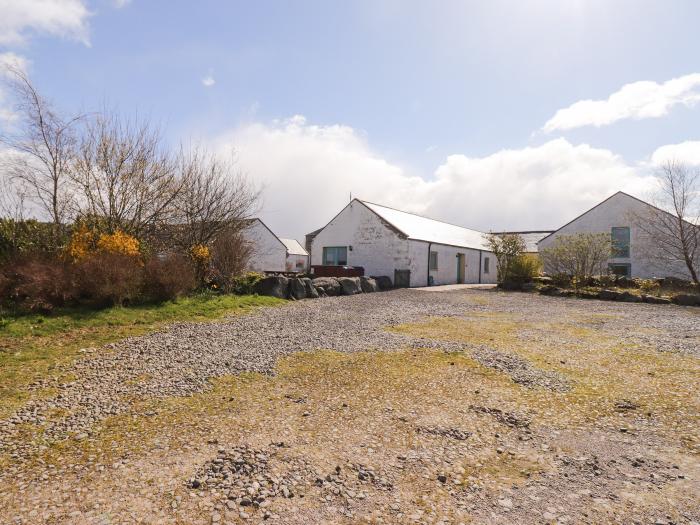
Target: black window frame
{"x":620,"y":248}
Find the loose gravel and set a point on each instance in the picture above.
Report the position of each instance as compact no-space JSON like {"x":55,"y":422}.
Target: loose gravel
{"x":182,"y":359}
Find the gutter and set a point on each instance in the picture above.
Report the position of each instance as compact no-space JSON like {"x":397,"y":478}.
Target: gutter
{"x":427,"y":278}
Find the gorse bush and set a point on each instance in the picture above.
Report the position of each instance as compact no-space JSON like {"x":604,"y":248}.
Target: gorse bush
{"x":168,"y":277}
{"x":106,"y":278}
{"x":37,"y":284}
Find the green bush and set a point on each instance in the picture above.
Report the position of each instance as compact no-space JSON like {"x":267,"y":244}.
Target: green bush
{"x":245,"y":284}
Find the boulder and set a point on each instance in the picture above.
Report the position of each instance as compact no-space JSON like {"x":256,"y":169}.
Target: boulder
{"x":510,"y":285}
{"x":273,"y":285}
{"x":368,"y":284}
{"x":629,"y":298}
{"x":653,"y":299}
{"x":609,"y":295}
{"x":297,"y":289}
{"x":384,"y":282}
{"x":311,"y":291}
{"x":326,"y":285}
{"x":528,"y":287}
{"x":350,"y":285}
{"x":686,"y":299}
{"x":587,"y":295}
{"x":550,"y":290}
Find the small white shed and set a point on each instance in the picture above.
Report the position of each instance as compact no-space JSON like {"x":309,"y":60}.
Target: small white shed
{"x":270,"y":253}
{"x":297,"y":256}
{"x":410,"y":249}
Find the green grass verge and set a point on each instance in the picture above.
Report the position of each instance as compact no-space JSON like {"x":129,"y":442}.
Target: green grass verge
{"x":31,"y":346}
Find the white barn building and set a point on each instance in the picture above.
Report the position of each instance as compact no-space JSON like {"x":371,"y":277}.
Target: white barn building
{"x":410,"y":249}
{"x":633,"y":252}
{"x":272,"y":254}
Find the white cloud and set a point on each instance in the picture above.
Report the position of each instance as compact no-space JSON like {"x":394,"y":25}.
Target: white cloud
{"x":63,"y":18}
{"x":16,"y":61}
{"x":208,"y":81}
{"x":309,"y":171}
{"x":118,"y":4}
{"x":687,"y":152}
{"x":638,"y":100}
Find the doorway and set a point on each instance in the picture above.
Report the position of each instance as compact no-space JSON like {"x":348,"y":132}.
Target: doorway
{"x":461,"y":268}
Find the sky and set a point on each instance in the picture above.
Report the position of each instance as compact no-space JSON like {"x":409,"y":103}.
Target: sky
{"x":493,"y":115}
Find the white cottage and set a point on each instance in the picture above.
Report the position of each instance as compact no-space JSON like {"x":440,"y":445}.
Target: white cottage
{"x":633,"y":251}
{"x":272,"y":254}
{"x":410,"y":249}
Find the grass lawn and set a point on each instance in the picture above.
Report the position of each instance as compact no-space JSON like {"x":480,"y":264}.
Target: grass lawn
{"x":33,"y":345}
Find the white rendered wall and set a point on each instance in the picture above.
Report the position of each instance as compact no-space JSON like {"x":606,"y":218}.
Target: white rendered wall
{"x":375,"y":246}
{"x":620,"y":210}
{"x":269,"y":254}
{"x":297,"y":263}
{"x":446,"y":272}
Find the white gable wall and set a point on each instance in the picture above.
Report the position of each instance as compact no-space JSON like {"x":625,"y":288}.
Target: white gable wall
{"x":619,"y":210}
{"x":269,"y":254}
{"x":297,"y":263}
{"x":375,"y":246}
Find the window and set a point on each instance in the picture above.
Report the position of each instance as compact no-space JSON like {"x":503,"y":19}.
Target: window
{"x":487,"y":264}
{"x":624,"y":270}
{"x":433,"y":264}
{"x":335,"y":255}
{"x":620,"y":237}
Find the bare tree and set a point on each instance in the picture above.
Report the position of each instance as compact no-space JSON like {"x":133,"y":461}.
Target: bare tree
{"x":45,"y":146}
{"x":672,"y":225}
{"x":126,"y":178}
{"x":215,"y":197}
{"x":579,"y":256}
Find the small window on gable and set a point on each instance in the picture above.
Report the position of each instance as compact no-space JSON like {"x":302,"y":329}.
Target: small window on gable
{"x":487,"y":265}
{"x":620,"y":238}
{"x":433,"y":261}
{"x":335,"y":255}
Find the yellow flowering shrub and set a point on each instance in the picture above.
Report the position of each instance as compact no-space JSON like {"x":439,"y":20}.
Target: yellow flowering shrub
{"x":200,"y":253}
{"x":81,"y":243}
{"x":118,"y":242}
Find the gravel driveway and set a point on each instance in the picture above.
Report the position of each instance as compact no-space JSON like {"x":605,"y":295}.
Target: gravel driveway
{"x":181,"y":360}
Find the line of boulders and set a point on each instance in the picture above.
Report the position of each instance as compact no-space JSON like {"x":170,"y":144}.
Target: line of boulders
{"x":296,"y":288}
{"x":682,"y":299}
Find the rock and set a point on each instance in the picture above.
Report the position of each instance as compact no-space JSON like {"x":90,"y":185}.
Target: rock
{"x":297,"y":289}
{"x":528,"y":287}
{"x":442,"y":478}
{"x":587,"y":295}
{"x":328,"y":285}
{"x":311,"y":291}
{"x":384,"y":282}
{"x":629,"y":298}
{"x":550,"y":290}
{"x":368,"y":284}
{"x":609,"y":295}
{"x":506,"y":503}
{"x":350,"y":285}
{"x":274,"y":286}
{"x":685,"y":299}
{"x":653,"y":299}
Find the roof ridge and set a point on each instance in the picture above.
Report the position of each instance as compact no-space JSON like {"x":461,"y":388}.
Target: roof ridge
{"x":419,"y":215}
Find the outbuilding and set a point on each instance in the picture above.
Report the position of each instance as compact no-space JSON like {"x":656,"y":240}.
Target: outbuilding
{"x":271,"y":254}
{"x":634,"y":254}
{"x":410,"y":249}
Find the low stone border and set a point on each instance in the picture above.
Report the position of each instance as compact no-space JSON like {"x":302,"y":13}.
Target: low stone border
{"x":614,"y":295}
{"x":297,"y":288}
